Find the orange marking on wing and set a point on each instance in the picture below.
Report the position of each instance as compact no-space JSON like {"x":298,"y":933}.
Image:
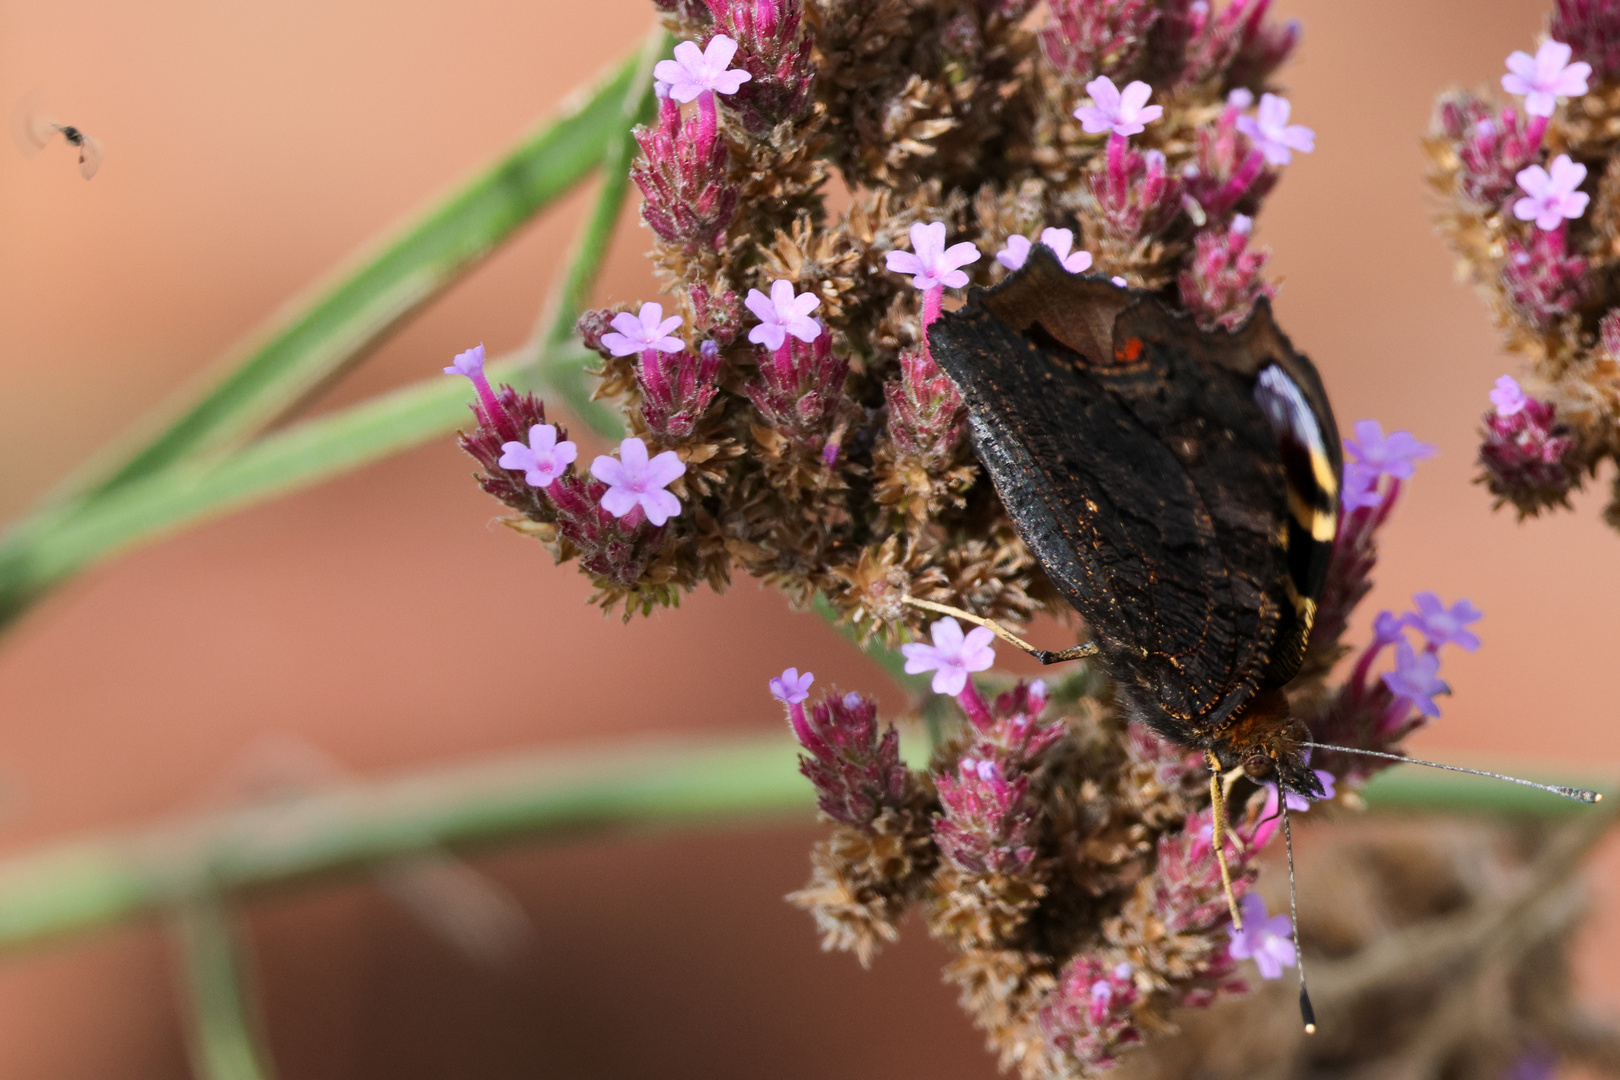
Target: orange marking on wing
{"x":1128,"y":352}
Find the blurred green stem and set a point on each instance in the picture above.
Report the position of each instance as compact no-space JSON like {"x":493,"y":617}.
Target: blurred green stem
{"x":223,"y":1020}
{"x":84,"y":884}
{"x":169,"y":484}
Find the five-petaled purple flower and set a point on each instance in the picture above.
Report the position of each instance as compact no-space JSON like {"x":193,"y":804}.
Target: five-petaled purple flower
{"x":1123,"y":112}
{"x":1550,"y":197}
{"x":1397,"y":454}
{"x":1416,"y":678}
{"x":781,"y":314}
{"x":1545,"y":77}
{"x":1388,"y":628}
{"x":952,"y":655}
{"x":543,"y":460}
{"x":1016,"y":253}
{"x":1276,"y":138}
{"x":933,"y":264}
{"x":1442,"y":625}
{"x":1266,"y":941}
{"x":790,"y":687}
{"x":634,"y":481}
{"x":469,"y":363}
{"x":695,"y":70}
{"x":1508,"y":397}
{"x":639,"y":333}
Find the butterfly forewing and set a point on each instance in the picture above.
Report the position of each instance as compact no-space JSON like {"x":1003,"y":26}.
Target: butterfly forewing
{"x":1139,"y":465}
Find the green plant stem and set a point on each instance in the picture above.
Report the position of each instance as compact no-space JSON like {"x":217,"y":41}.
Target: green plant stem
{"x":81,"y":885}
{"x":148,"y":503}
{"x":346,"y":317}
{"x":89,"y":883}
{"x":223,"y":1020}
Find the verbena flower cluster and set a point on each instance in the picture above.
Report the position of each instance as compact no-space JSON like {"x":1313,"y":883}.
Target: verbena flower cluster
{"x":1532,"y":189}
{"x":1066,"y":857}
{"x":821,"y":175}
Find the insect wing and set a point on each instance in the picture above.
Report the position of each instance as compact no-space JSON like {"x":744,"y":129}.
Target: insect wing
{"x":31,"y":125}
{"x":90,"y":155}
{"x":1142,"y":473}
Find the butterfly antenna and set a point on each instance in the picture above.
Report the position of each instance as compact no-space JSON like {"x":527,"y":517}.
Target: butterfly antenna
{"x":1306,"y":1013}
{"x":1578,"y":794}
{"x":1217,"y":810}
{"x":1045,"y":656}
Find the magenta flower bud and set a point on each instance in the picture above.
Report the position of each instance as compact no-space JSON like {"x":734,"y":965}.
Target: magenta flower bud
{"x":688,"y":196}
{"x":1089,"y":1014}
{"x":1084,"y":38}
{"x":1266,"y":48}
{"x":1229,"y":172}
{"x":1527,"y":457}
{"x":507,"y":449}
{"x":1232,"y":45}
{"x":1541,"y":281}
{"x":773,"y":49}
{"x":799,"y":388}
{"x":925,"y":410}
{"x":677,"y":388}
{"x":986,"y":826}
{"x":1222,"y":281}
{"x":1591,"y":28}
{"x":1492,"y":146}
{"x":857,"y":773}
{"x":1134,"y":192}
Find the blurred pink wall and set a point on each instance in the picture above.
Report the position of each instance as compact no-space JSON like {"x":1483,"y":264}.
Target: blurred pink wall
{"x":252,"y":147}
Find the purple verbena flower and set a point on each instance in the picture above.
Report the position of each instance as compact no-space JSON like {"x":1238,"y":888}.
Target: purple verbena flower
{"x":1266,"y":941}
{"x":1550,"y":197}
{"x":1415,"y":678}
{"x":1016,"y":253}
{"x":1123,"y":112}
{"x":929,"y":262}
{"x":1508,"y":397}
{"x":1388,"y":628}
{"x":543,"y":459}
{"x":1275,"y":137}
{"x":635,"y":481}
{"x":638,"y":333}
{"x":782,"y":313}
{"x":952,"y":655}
{"x":694,"y":70}
{"x":469,"y":363}
{"x":1395,"y":455}
{"x":790,"y":687}
{"x":1545,"y":77}
{"x":1442,"y":625}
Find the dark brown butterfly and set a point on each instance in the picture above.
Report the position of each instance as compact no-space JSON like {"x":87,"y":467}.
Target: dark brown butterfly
{"x":1179,"y":487}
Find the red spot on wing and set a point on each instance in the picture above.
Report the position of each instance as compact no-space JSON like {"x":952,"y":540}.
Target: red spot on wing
{"x":1129,"y":352}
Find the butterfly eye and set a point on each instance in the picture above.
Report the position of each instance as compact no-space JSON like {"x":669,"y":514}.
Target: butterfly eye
{"x":1257,"y":766}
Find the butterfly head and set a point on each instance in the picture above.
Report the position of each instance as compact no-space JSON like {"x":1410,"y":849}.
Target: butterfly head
{"x":1269,"y":744}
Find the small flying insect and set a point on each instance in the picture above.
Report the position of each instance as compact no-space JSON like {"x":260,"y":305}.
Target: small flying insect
{"x":33,"y":128}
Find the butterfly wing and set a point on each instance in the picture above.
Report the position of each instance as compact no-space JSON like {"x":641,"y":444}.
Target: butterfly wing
{"x":1143,"y":473}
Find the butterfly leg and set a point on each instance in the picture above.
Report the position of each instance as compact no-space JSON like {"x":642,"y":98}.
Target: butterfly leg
{"x":1045,"y":656}
{"x":1217,"y":798}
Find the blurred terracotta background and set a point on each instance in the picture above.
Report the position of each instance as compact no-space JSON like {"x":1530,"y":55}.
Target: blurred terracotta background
{"x":250,"y":147}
